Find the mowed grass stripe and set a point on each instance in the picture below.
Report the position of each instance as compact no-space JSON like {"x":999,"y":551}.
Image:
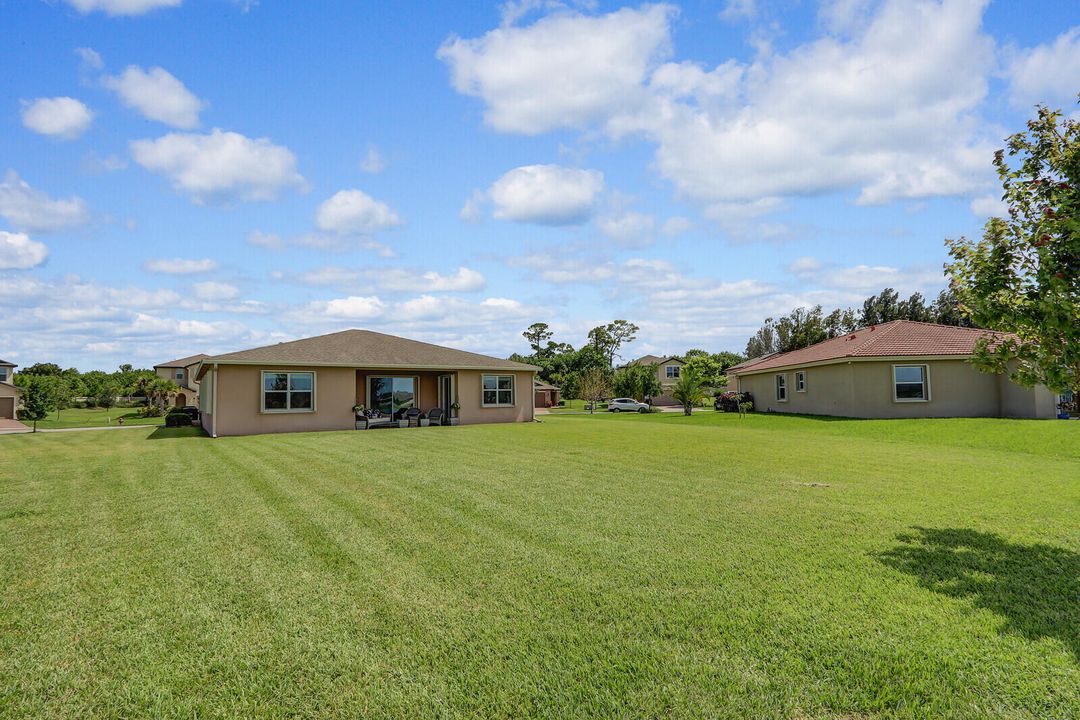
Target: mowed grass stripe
{"x":514,"y":570}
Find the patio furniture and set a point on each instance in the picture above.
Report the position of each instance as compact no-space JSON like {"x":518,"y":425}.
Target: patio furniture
{"x":435,"y":416}
{"x":412,"y":415}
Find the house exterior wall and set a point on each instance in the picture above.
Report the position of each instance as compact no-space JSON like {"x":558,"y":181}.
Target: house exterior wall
{"x":237,"y":400}
{"x":864,"y":389}
{"x":189,"y":386}
{"x":9,"y":402}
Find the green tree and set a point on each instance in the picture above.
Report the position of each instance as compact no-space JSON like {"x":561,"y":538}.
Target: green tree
{"x":105,"y":394}
{"x":708,"y":369}
{"x":690,"y":390}
{"x":727,"y":359}
{"x":537,"y":334}
{"x":763,"y":342}
{"x":607,"y":339}
{"x":1023,"y":276}
{"x":42,"y":369}
{"x":39,"y":396}
{"x":637,"y":381}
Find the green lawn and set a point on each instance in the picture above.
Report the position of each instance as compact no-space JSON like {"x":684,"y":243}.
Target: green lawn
{"x":95,"y":417}
{"x":629,"y":566}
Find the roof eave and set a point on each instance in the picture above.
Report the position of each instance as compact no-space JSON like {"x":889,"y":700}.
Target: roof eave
{"x":849,"y":359}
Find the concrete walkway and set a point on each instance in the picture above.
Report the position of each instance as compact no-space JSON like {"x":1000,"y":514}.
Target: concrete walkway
{"x":25,"y":429}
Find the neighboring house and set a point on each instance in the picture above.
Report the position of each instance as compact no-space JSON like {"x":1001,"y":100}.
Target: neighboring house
{"x":9,"y":394}
{"x":182,"y":372}
{"x":313,"y":384}
{"x":667,"y":372}
{"x":545,"y":395}
{"x":900,"y":369}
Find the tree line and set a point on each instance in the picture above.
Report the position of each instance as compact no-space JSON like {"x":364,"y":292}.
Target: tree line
{"x":803,"y":327}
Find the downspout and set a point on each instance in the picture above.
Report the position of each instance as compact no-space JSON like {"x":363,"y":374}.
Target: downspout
{"x":213,"y":404}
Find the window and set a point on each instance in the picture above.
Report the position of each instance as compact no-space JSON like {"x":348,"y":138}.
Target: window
{"x":498,"y":390}
{"x":910,"y":383}
{"x":800,"y":381}
{"x":781,"y":388}
{"x":672,"y":371}
{"x":288,"y":392}
{"x":391,"y":395}
{"x":179,"y":375}
{"x":3,"y":374}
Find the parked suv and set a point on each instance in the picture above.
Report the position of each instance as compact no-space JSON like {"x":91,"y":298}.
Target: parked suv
{"x":627,"y":405}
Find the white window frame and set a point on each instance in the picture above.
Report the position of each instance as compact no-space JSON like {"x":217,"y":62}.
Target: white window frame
{"x":416,"y":388}
{"x":800,"y":381}
{"x":3,"y":374}
{"x":925,"y":383}
{"x":512,"y":391}
{"x":288,"y":379}
{"x":671,"y":372}
{"x":780,"y":381}
{"x":178,"y":376}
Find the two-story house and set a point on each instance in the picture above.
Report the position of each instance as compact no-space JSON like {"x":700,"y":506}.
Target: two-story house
{"x":667,"y":372}
{"x":182,"y":372}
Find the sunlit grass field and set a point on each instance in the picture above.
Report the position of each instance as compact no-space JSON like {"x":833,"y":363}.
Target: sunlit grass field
{"x":94,"y":417}
{"x":585,"y":566}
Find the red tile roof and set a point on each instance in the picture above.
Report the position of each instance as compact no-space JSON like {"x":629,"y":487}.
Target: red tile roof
{"x":899,"y":338}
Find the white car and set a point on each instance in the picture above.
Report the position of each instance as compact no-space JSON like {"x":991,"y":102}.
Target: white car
{"x":627,"y":405}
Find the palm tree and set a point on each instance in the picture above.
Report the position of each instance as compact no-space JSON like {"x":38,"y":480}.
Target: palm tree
{"x":690,"y":390}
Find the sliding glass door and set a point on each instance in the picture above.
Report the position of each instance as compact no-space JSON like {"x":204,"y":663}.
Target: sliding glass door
{"x":391,"y":395}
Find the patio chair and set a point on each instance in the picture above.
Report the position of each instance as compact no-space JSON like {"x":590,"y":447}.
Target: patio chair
{"x":413,"y":416}
{"x":435,"y":416}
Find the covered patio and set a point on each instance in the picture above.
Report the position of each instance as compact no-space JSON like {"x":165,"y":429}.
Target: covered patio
{"x":405,"y":398}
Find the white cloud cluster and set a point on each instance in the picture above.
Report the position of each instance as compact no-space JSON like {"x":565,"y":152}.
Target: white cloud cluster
{"x":355,"y":212}
{"x":394,"y":279}
{"x":628,"y":228}
{"x":212,"y":291}
{"x":19,"y":252}
{"x":33,"y":211}
{"x":180,"y":266}
{"x":1046,"y":73}
{"x":565,"y":70}
{"x":546,"y":194}
{"x":865,"y":107}
{"x":120,"y":7}
{"x":372,"y":161}
{"x":220,"y":166}
{"x":157,"y":95}
{"x":60,"y":117}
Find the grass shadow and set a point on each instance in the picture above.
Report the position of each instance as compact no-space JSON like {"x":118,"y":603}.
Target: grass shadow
{"x":1036,"y":588}
{"x":164,"y":433}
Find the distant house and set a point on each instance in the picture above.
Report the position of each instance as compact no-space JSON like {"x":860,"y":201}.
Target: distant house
{"x":545,"y":395}
{"x":9,"y":394}
{"x":182,"y":372}
{"x":900,"y":369}
{"x":667,"y":372}
{"x":314,"y":383}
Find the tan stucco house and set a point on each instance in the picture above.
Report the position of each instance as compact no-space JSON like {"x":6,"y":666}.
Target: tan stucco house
{"x":313,"y":384}
{"x":9,"y":394}
{"x":182,"y":372}
{"x":667,"y":372}
{"x":900,"y":369}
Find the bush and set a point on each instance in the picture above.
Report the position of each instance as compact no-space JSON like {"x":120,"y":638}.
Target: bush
{"x":562,"y":403}
{"x":177,"y":419}
{"x":150,"y":411}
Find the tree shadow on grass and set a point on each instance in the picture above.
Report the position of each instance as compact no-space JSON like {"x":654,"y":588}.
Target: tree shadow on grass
{"x":164,"y":433}
{"x":1036,"y":588}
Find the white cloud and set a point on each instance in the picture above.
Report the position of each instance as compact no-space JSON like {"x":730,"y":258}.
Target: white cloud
{"x":271,"y":241}
{"x":353,"y":307}
{"x":565,"y":70}
{"x":629,"y":228}
{"x":32,"y":210}
{"x":60,"y":117}
{"x":180,"y":266}
{"x":805,"y":265}
{"x":473,"y":209}
{"x":676,"y":225}
{"x":989,"y":206}
{"x":875,"y":277}
{"x":157,"y":95}
{"x":1046,"y":73}
{"x":120,"y":7}
{"x":373,"y":161}
{"x":89,"y":59}
{"x":215,"y":291}
{"x":355,"y":212}
{"x":220,"y":166}
{"x":394,"y":279}
{"x":546,"y":194}
{"x":738,"y":10}
{"x":94,"y":164}
{"x":19,"y":252}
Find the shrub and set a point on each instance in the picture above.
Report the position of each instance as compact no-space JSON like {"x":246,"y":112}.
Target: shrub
{"x":177,"y":419}
{"x":150,"y":411}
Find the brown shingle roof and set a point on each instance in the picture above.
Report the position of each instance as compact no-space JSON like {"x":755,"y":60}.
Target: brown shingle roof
{"x":183,"y":362}
{"x":364,"y":348}
{"x":899,"y":338}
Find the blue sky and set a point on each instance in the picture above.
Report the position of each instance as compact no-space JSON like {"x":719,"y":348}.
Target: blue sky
{"x":182,"y":176}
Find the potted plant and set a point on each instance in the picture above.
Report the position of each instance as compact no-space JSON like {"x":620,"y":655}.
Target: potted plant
{"x":454,"y":407}
{"x":424,"y":422}
{"x":361,"y":418}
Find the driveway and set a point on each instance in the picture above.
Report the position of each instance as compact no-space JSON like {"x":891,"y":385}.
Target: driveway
{"x":8,"y":427}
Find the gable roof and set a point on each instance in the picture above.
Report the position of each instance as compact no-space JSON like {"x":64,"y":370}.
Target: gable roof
{"x":541,"y":385}
{"x":654,"y":360}
{"x":5,"y":363}
{"x":182,"y":362}
{"x":364,"y":348}
{"x":899,"y":338}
